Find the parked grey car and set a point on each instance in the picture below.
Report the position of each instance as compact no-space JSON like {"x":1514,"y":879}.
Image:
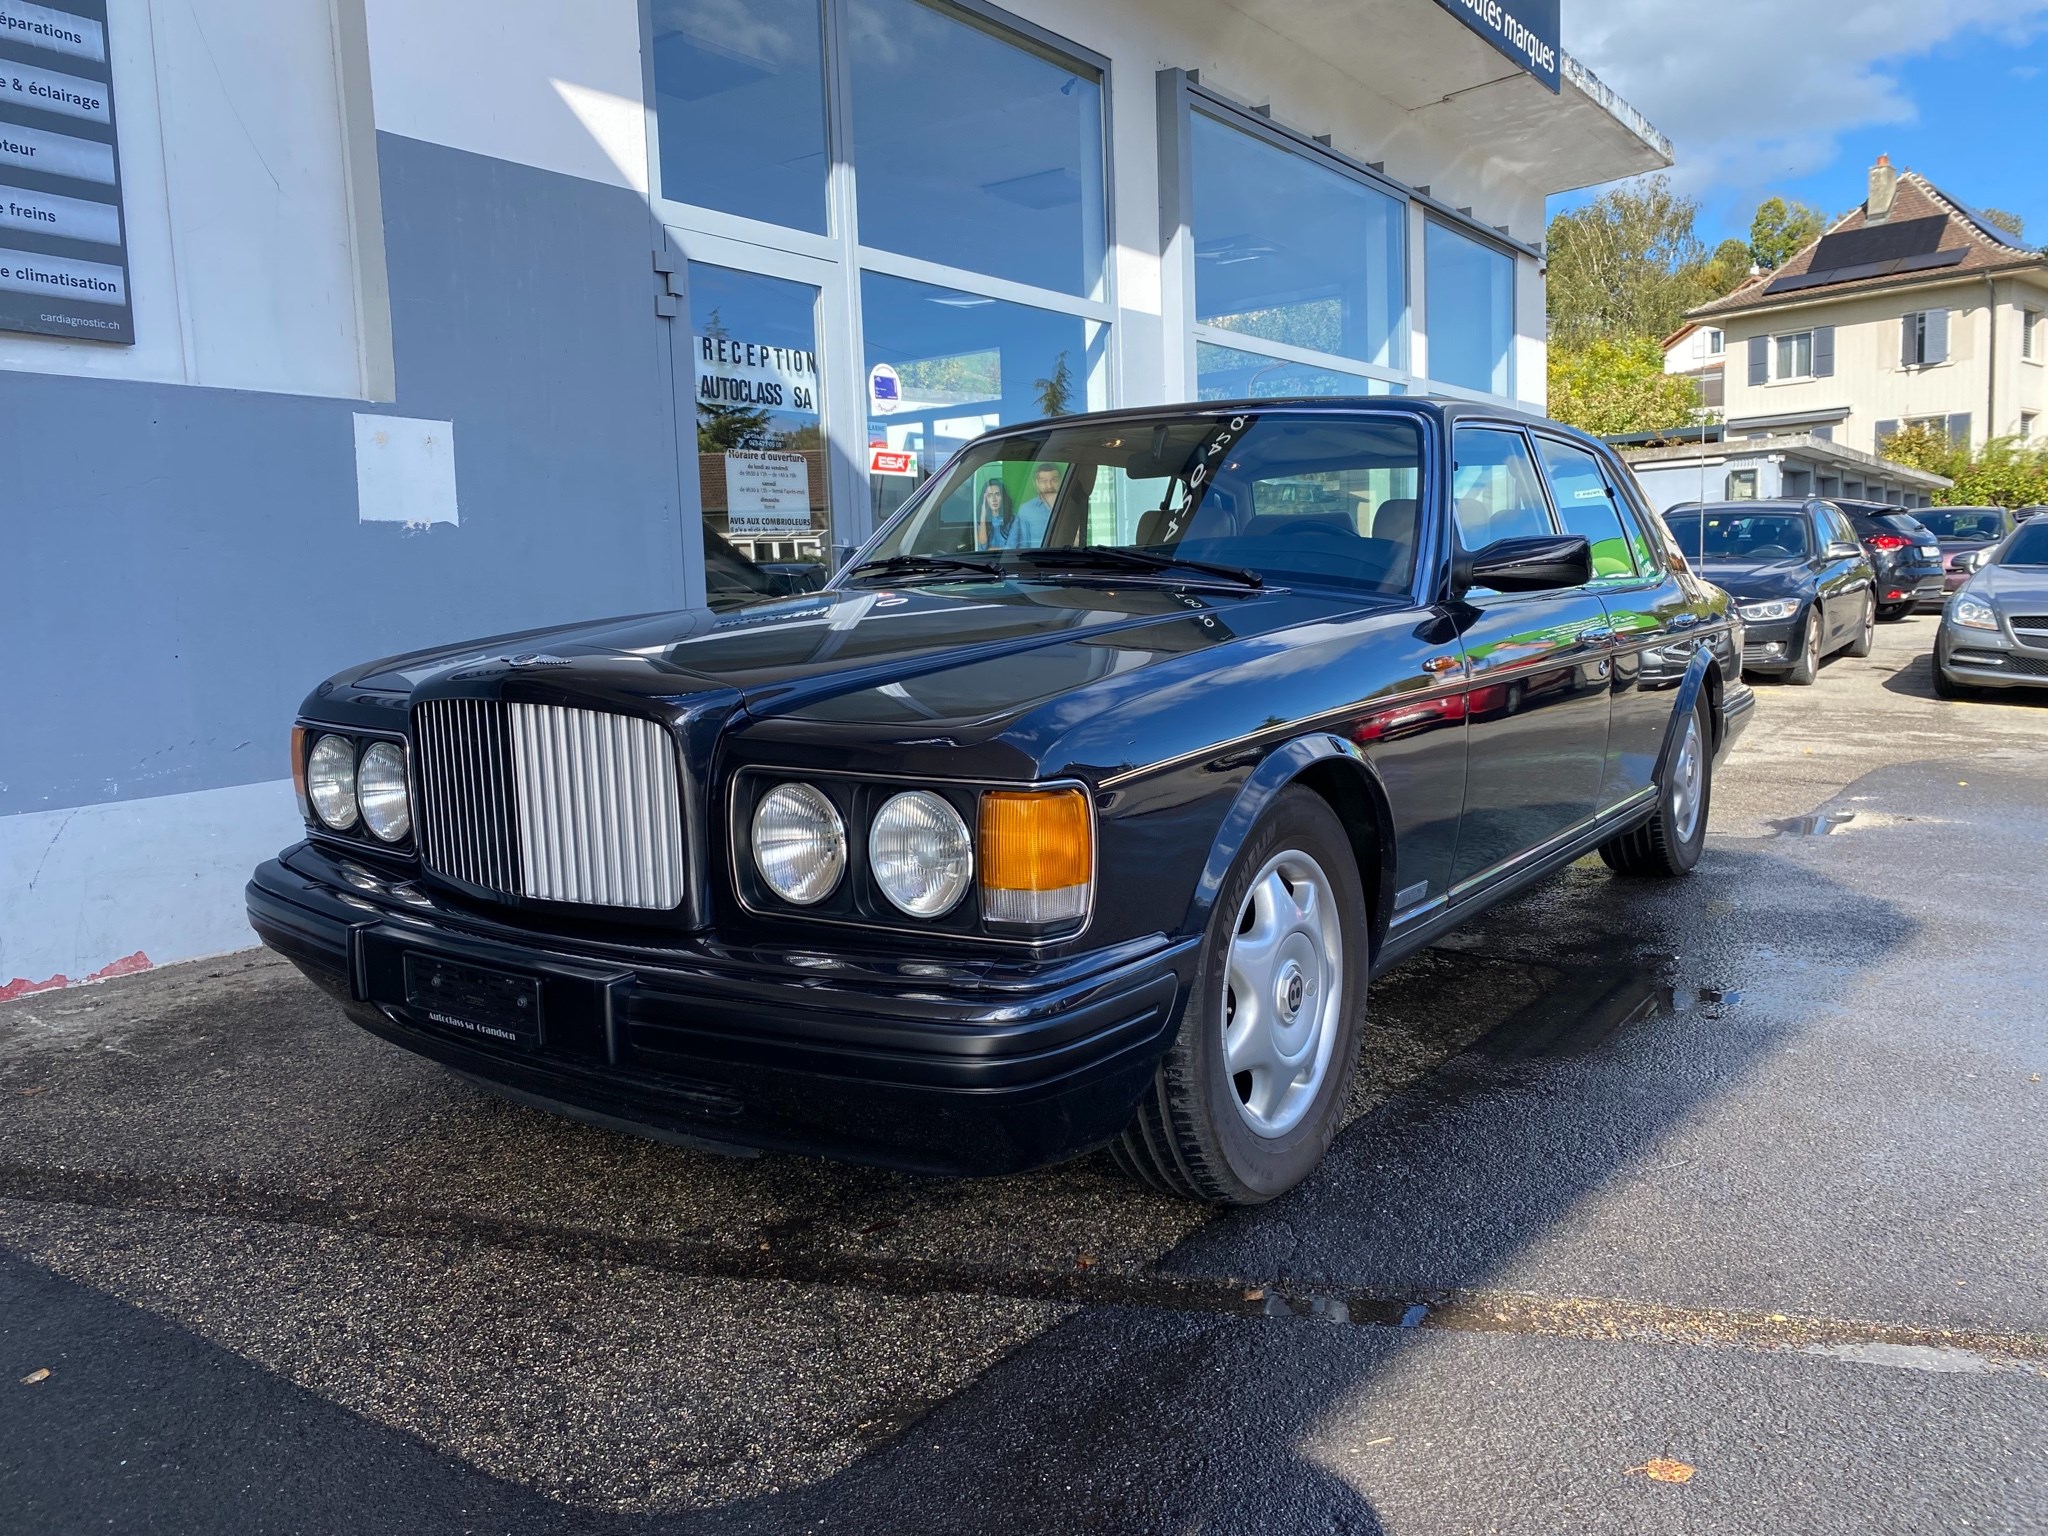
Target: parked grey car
{"x":1994,"y":631}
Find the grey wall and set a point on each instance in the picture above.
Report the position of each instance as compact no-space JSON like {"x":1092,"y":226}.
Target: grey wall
{"x":181,"y":565}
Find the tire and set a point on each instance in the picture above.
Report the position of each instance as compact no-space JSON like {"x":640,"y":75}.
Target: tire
{"x":1946,"y":687}
{"x":1866,"y":631}
{"x":1204,"y":1133}
{"x":1890,"y":612}
{"x":1807,"y":667}
{"x":1670,"y":842}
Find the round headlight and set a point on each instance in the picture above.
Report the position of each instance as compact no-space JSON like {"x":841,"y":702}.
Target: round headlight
{"x":920,"y":853}
{"x":799,"y":843}
{"x":381,"y":791}
{"x":331,"y":781}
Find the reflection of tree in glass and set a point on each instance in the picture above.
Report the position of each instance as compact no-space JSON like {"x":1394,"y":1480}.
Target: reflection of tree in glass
{"x":1055,"y":392}
{"x":954,"y":380}
{"x":722,"y":427}
{"x":1317,"y":323}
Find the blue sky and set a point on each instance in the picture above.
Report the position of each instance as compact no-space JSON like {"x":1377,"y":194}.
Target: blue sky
{"x":1798,"y":98}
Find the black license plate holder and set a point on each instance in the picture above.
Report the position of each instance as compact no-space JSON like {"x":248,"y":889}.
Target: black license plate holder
{"x":481,"y":1001}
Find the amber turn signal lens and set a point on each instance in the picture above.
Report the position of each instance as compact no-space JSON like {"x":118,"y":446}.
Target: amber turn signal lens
{"x":1037,"y":856}
{"x":299,"y":772}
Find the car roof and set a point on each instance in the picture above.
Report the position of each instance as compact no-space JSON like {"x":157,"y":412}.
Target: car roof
{"x":1446,"y":409}
{"x":1774,"y":505}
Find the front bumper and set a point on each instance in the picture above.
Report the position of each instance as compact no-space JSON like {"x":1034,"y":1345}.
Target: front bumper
{"x":1983,"y":658}
{"x":1759,"y":638}
{"x":937,"y":1066}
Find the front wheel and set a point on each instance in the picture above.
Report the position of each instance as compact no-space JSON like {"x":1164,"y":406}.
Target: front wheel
{"x":1866,"y":627}
{"x":1807,"y":667}
{"x":1671,"y":841}
{"x":1247,"y":1100}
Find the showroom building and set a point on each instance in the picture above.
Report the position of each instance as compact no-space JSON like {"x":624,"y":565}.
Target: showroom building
{"x":332,"y":328}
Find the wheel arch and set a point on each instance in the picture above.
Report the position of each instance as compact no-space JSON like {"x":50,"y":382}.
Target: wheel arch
{"x":1344,"y":778}
{"x":1701,"y":674}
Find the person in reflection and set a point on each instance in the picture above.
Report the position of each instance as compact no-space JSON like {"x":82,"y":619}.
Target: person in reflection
{"x":1027,"y":529}
{"x":995,"y":521}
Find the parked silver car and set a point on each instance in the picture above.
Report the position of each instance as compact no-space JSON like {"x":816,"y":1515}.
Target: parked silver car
{"x":1994,"y":631}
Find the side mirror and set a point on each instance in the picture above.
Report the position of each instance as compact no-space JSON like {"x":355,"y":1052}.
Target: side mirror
{"x":1845,"y":551}
{"x":1540,"y":564}
{"x":1969,"y":560}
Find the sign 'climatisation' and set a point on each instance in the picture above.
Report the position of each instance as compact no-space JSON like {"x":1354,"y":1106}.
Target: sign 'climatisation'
{"x":1525,"y":30}
{"x":63,"y":247}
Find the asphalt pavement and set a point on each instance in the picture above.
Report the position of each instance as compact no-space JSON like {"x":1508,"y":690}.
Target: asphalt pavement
{"x":1708,"y":1206}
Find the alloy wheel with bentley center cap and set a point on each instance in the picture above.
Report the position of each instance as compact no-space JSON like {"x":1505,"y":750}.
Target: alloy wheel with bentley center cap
{"x":1283,"y":986}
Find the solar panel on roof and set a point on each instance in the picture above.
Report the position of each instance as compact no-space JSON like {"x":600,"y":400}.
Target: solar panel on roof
{"x":1928,"y":262}
{"x":1879,"y":242}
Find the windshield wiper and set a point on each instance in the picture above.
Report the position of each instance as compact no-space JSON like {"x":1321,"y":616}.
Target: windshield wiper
{"x":927,"y":565}
{"x":1112,"y":557}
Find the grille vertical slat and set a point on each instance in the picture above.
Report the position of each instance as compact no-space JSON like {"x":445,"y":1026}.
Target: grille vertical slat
{"x":558,"y":804}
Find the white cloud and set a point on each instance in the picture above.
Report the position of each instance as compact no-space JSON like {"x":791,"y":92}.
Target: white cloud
{"x":1754,"y":92}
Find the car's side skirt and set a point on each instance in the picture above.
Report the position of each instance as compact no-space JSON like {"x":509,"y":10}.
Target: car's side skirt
{"x":1490,"y":886}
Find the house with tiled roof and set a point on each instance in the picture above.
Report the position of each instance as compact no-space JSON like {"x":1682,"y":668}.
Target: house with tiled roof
{"x":1909,"y":309}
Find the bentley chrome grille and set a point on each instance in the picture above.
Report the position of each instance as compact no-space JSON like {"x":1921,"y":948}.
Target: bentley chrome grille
{"x":575,"y":805}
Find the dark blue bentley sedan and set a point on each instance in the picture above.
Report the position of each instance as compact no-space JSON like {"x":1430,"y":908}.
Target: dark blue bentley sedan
{"x":1029,"y":833}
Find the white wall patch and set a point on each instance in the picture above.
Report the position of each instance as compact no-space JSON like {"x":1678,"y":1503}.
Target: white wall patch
{"x":405,"y":470}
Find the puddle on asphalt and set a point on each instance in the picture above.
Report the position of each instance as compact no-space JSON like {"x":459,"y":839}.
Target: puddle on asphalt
{"x":1820,"y":824}
{"x":1585,"y":1011}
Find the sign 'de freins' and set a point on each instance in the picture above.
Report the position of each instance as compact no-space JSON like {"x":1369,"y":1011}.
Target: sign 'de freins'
{"x":1525,"y":30}
{"x":63,"y":248}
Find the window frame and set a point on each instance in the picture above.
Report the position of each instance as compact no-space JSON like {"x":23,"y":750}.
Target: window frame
{"x":2030,"y":335}
{"x":1778,"y":338}
{"x":1492,"y":424}
{"x":691,"y":232}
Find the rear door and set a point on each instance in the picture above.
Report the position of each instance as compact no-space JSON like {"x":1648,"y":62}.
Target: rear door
{"x":1653,"y":617}
{"x":1539,"y":667}
{"x":1842,"y":575}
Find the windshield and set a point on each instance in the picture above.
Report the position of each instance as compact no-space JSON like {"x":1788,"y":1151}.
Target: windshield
{"x":2029,"y":546}
{"x":1979,"y":525}
{"x":1284,"y":498}
{"x":1739,"y":535}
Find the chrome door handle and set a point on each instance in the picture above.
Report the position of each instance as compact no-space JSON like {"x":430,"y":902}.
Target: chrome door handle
{"x":1596,"y":634}
{"x":1683,"y":621}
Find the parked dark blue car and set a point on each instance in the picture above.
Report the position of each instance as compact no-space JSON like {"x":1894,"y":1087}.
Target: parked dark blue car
{"x":1801,"y":579}
{"x":1022,"y":839}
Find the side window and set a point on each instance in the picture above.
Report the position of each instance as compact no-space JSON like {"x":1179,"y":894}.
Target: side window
{"x":1840,"y":530}
{"x":1496,"y":489}
{"x":1585,"y":505}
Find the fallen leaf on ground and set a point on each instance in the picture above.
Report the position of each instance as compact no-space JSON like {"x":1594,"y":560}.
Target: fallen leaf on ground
{"x":1084,"y":1261}
{"x":1256,"y":1293}
{"x":42,"y":1374}
{"x":1661,"y":1469}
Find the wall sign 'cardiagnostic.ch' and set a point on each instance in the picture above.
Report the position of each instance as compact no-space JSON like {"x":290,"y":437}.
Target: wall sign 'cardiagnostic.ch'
{"x":63,"y":245}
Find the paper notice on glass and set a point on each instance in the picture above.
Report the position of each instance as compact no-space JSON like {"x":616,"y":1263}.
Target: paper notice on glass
{"x":767,"y":492}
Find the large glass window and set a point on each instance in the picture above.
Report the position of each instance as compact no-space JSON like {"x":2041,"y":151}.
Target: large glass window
{"x":946,"y":365}
{"x":1293,"y":251}
{"x":1470,"y":301}
{"x":739,"y":88}
{"x":761,"y":462}
{"x":973,"y":151}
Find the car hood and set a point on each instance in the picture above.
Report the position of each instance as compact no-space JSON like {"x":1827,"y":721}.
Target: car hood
{"x":2014,"y":588}
{"x":1751,"y":580}
{"x":1016,"y":642}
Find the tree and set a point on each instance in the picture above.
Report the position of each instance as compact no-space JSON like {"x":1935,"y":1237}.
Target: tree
{"x":2011,"y":223}
{"x":1726,"y":268}
{"x":1781,"y":230}
{"x":1055,"y":394}
{"x":2003,"y":473}
{"x":1608,"y":386}
{"x":1629,"y":263}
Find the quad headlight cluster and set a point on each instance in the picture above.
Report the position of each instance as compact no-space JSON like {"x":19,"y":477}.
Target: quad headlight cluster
{"x":345,"y":783}
{"x":1032,"y":857}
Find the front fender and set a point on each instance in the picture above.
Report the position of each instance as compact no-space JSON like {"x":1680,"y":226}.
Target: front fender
{"x":1686,"y":701}
{"x":1339,"y":766}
